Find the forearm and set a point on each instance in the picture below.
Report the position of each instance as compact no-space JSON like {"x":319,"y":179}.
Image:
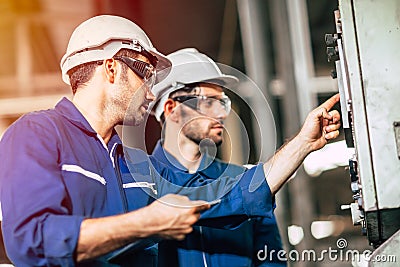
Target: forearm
{"x":102,"y":235}
{"x":285,"y":162}
{"x":170,"y":217}
{"x":322,"y":124}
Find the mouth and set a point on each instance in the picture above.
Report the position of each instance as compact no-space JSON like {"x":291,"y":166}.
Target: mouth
{"x":145,"y":106}
{"x":217,"y":126}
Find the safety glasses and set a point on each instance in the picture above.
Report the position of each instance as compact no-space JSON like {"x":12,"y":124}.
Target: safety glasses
{"x":213,"y":106}
{"x":143,"y":69}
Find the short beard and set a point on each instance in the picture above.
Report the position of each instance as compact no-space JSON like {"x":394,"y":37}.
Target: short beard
{"x":195,"y":136}
{"x":131,"y":116}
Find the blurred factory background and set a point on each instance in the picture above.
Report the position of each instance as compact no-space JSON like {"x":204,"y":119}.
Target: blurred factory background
{"x":279,"y":44}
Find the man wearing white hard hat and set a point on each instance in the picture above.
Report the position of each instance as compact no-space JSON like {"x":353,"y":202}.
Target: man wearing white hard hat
{"x":68,"y":187}
{"x":192,"y":107}
{"x":62,"y":201}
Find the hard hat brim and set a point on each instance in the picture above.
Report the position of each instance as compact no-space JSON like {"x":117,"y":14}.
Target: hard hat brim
{"x":163,"y":67}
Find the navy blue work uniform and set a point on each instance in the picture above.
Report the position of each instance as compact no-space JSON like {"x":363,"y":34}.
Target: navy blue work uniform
{"x":207,"y":246}
{"x":56,"y":171}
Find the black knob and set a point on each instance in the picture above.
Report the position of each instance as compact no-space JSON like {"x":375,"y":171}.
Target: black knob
{"x":333,"y":53}
{"x":333,"y":74}
{"x":353,"y":169}
{"x":330,"y":39}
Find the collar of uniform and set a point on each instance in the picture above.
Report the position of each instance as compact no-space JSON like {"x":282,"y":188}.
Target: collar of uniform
{"x":214,"y":168}
{"x":167,"y":158}
{"x":67,"y":109}
{"x":114,"y":140}
{"x":207,"y":165}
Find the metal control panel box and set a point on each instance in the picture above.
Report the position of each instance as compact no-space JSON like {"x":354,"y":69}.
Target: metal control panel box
{"x":366,"y":51}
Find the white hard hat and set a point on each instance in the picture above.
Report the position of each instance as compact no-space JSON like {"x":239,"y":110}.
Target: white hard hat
{"x":188,"y":66}
{"x":101,"y":37}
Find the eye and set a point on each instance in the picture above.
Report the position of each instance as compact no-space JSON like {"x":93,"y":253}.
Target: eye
{"x":209,"y":101}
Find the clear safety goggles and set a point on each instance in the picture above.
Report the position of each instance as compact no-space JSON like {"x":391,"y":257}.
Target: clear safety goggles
{"x":208,"y":105}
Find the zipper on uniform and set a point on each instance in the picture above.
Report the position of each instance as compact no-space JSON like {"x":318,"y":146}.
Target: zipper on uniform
{"x":118,"y":153}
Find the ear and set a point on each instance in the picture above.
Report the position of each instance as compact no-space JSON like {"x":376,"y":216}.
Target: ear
{"x":110,"y":69}
{"x":169,"y":110}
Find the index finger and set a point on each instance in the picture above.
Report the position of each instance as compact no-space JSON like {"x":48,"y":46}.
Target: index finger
{"x":328,"y":104}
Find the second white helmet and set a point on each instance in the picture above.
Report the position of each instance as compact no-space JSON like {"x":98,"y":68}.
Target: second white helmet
{"x":188,"y":66}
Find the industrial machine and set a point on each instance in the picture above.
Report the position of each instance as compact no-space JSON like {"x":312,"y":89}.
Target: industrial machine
{"x":366,"y":51}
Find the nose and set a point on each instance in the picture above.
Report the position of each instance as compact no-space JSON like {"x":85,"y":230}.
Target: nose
{"x":219,"y":111}
{"x":150,"y":96}
{"x":221,"y":116}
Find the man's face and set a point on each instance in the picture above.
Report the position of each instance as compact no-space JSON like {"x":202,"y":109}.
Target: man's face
{"x":135,"y":96}
{"x":207,"y":121}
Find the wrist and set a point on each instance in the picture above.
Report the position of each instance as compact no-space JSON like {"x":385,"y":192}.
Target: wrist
{"x":304,"y":144}
{"x":142,"y":223}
